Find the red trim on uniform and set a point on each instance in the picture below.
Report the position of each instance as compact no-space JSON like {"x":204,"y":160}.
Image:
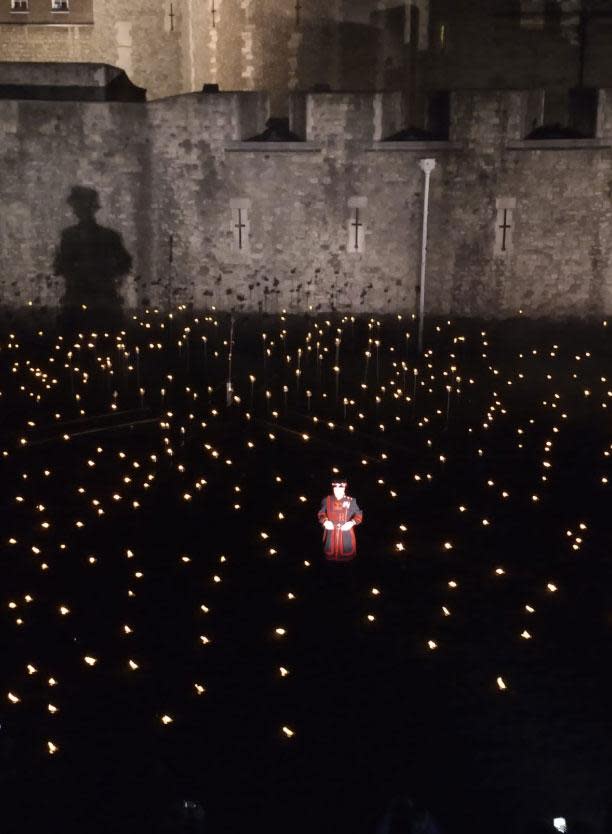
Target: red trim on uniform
{"x":331,"y":549}
{"x":333,"y":540}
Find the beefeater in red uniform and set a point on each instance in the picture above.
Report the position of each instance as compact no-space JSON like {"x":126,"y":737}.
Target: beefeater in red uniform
{"x":338,"y":515}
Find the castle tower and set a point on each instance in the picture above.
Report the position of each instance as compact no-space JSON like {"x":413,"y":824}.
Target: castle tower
{"x":284,"y":45}
{"x":142,"y":37}
{"x":176,"y":46}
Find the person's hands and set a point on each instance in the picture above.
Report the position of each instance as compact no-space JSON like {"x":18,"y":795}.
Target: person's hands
{"x":348,"y":525}
{"x":329,"y":525}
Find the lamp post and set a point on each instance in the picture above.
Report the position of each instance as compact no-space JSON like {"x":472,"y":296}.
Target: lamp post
{"x":427,"y":166}
{"x":228,"y":386}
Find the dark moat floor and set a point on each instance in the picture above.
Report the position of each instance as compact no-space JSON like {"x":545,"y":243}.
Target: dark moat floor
{"x":165,"y":547}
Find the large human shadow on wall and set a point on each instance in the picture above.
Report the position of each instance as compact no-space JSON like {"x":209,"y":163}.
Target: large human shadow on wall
{"x":91,"y":258}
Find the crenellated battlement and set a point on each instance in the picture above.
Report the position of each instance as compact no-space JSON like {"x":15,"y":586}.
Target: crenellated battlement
{"x":475,"y":117}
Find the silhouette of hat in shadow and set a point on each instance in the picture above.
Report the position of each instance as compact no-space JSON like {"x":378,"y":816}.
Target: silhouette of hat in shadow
{"x":84,"y":198}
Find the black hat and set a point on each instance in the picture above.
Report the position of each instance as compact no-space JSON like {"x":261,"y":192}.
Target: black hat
{"x":83,"y":196}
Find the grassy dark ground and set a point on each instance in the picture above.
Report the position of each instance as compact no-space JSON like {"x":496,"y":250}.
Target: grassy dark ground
{"x":374,"y":711}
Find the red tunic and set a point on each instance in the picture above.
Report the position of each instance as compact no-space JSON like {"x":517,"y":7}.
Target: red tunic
{"x":339,"y":545}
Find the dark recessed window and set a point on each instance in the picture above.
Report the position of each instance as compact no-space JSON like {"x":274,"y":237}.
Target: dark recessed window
{"x":583,"y":104}
{"x":438,"y":114}
{"x":552,"y":14}
{"x":19,"y":5}
{"x":59,"y":6}
{"x":415,"y":22}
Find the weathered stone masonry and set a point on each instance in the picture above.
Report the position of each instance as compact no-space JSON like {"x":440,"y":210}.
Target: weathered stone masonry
{"x":170,"y":169}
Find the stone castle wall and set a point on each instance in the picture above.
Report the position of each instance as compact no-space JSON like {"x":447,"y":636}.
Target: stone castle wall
{"x":172,"y":174}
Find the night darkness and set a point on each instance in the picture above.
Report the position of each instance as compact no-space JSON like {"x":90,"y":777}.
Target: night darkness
{"x":459,"y":659}
{"x":250,"y":248}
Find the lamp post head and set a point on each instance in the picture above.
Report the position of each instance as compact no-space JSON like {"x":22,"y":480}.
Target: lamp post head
{"x":427,"y":165}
